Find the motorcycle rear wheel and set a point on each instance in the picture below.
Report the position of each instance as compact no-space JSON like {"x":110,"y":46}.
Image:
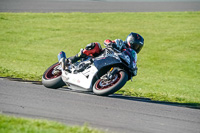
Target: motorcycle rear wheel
{"x":50,"y":80}
{"x":105,"y":88}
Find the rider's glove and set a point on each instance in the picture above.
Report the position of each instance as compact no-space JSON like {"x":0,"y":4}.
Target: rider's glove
{"x":108,"y":43}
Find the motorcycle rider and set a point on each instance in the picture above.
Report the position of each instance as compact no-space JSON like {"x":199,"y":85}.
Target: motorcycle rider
{"x":131,"y":47}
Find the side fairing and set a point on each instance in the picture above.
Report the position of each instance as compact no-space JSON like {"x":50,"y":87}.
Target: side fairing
{"x":105,"y":61}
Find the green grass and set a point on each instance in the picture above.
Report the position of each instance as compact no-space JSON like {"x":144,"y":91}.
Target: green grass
{"x":10,"y":124}
{"x":168,"y":64}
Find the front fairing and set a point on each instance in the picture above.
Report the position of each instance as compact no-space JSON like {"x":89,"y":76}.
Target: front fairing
{"x":106,"y":61}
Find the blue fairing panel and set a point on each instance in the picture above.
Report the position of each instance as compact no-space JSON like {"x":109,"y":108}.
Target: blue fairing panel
{"x":105,"y":61}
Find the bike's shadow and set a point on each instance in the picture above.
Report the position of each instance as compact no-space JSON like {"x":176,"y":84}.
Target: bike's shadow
{"x":148,"y":100}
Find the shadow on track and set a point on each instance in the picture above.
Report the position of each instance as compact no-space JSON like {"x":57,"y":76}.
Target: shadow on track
{"x":148,"y":100}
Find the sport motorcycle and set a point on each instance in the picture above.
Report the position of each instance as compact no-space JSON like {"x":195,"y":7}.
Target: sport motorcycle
{"x":102,"y":75}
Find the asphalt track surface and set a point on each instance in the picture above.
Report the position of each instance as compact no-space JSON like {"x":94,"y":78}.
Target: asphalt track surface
{"x":115,"y":113}
{"x":98,"y":5}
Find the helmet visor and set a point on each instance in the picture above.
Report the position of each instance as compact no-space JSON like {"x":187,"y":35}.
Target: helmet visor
{"x":135,"y":46}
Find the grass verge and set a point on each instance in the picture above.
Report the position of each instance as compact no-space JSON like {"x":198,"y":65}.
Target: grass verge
{"x":168,"y":64}
{"x":10,"y":124}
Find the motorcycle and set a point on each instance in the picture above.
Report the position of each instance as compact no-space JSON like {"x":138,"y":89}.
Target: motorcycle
{"x":102,"y":75}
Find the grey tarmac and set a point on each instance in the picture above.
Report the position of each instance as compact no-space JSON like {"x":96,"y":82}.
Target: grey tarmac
{"x":98,"y":5}
{"x":118,"y":114}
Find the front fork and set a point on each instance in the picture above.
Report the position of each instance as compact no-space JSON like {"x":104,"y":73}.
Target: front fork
{"x":111,"y":73}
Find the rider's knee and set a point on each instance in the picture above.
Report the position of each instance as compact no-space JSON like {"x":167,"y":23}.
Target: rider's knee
{"x":92,"y":49}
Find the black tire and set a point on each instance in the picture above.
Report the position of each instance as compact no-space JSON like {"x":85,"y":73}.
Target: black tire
{"x":113,"y":87}
{"x":51,"y":81}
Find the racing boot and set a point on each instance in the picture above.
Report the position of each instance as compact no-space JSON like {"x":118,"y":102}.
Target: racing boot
{"x":65,"y":62}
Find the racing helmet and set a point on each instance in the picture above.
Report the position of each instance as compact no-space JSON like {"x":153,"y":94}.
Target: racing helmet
{"x":135,"y":41}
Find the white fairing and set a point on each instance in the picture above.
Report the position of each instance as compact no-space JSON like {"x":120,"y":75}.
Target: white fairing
{"x":81,"y":79}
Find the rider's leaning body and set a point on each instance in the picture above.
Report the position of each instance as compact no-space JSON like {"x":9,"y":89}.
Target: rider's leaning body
{"x":131,"y":47}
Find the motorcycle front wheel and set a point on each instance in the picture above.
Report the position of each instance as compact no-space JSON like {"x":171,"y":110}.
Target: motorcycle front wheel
{"x":104,"y":87}
{"x":52,"y":77}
